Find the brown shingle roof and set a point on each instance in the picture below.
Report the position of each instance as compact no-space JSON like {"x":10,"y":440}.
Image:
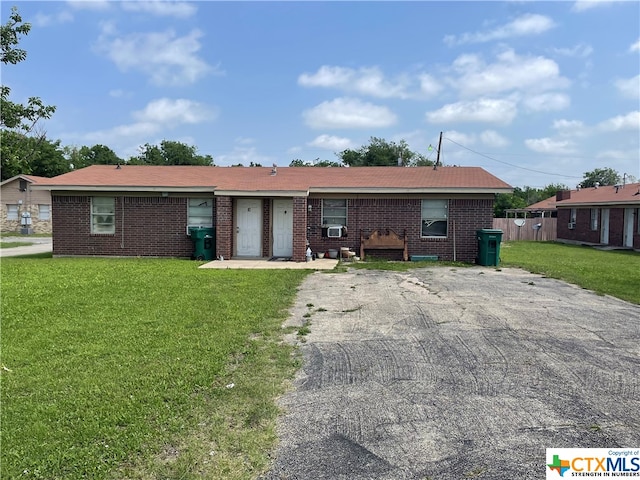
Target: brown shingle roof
{"x":291,"y":179}
{"x":608,"y":195}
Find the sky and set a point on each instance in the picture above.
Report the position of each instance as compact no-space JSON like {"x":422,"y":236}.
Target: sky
{"x":536,"y":93}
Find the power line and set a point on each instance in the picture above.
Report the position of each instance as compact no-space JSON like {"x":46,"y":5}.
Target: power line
{"x":511,"y":164}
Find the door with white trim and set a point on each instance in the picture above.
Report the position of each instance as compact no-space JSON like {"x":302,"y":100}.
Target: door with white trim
{"x":628,"y":227}
{"x":604,"y":227}
{"x":248,"y":227}
{"x":283,"y":227}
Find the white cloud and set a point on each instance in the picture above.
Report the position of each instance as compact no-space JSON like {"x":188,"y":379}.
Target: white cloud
{"x":370,"y":81}
{"x":166,"y":58}
{"x":578,"y":51}
{"x":161,"y":8}
{"x":483,"y":110}
{"x":630,"y":121}
{"x":158,"y":115}
{"x":629,"y":87}
{"x":510,"y":72}
{"x":119,"y":93}
{"x":491,"y":138}
{"x":635,"y":47}
{"x":547,"y":102}
{"x":42,"y":20}
{"x":582,"y":5}
{"x":524,"y":25}
{"x":166,"y":112}
{"x":97,"y":5}
{"x":330,"y":142}
{"x":347,"y":112}
{"x":570,"y":128}
{"x":551,"y":146}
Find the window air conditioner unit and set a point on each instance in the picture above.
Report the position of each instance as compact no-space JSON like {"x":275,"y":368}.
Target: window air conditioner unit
{"x":572,"y":225}
{"x":334,"y":232}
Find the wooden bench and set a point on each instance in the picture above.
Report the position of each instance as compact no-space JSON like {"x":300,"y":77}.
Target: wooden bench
{"x":384,"y":239}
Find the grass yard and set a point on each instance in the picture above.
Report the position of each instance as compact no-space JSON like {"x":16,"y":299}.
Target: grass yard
{"x":610,"y":272}
{"x":140,"y":368}
{"x":14,"y":244}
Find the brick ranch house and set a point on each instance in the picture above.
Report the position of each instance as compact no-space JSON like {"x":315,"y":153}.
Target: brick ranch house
{"x":262,"y":212}
{"x":600,"y":216}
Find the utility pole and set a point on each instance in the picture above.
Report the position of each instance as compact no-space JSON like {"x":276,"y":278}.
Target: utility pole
{"x":438,"y":157}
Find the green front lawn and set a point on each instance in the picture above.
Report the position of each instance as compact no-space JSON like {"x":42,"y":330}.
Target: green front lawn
{"x":15,"y":244}
{"x":140,"y":368}
{"x":610,"y":272}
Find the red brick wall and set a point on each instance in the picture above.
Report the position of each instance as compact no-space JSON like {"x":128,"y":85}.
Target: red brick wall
{"x":156,"y":226}
{"x":400,"y":214}
{"x":139,"y":229}
{"x":583,"y":233}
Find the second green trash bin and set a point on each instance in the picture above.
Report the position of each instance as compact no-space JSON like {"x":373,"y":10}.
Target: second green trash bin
{"x":204,"y":243}
{"x":488,"y":246}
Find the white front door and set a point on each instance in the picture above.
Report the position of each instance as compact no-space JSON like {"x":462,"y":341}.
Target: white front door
{"x":248,"y":227}
{"x":628,"y":227}
{"x":283,"y":228}
{"x":604,"y":227}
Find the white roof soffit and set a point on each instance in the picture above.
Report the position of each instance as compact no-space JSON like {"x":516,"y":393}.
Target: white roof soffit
{"x":467,"y":190}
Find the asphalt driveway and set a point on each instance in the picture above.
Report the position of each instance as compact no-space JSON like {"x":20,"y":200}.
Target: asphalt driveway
{"x":445,"y":373}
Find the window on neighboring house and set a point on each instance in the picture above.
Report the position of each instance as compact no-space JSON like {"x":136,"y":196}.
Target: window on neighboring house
{"x":44,"y":212}
{"x":334,"y":211}
{"x":103,"y":214}
{"x":200,"y":212}
{"x":573,"y":215}
{"x":434,"y":218}
{"x":12,"y":212}
{"x":594,"y":219}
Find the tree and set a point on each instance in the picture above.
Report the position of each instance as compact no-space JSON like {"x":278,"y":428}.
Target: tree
{"x":316,"y":163}
{"x":379,"y":152}
{"x":17,"y":121}
{"x":601,"y":176}
{"x":170,"y":153}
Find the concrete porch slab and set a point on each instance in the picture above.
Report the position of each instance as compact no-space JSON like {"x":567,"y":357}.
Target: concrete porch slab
{"x":264,"y":263}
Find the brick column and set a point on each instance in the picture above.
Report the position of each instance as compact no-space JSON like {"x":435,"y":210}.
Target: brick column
{"x":299,"y":229}
{"x":224,"y":227}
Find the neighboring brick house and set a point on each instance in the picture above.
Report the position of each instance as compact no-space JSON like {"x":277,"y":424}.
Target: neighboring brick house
{"x":269,"y":212}
{"x":600,"y":216}
{"x":18,"y":197}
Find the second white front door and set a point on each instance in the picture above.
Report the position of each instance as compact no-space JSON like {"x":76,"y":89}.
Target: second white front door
{"x":282,"y":228}
{"x":248,"y":227}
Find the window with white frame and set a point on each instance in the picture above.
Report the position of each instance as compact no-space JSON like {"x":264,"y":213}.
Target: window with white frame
{"x":12,"y":212}
{"x":594,"y":219}
{"x":44,"y":212}
{"x":434,"y":218}
{"x":103,"y":215}
{"x":573,"y":215}
{"x":334,"y":211}
{"x":200,"y":212}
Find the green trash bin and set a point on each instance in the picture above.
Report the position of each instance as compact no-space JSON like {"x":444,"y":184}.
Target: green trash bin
{"x":488,"y":246}
{"x":204,"y":243}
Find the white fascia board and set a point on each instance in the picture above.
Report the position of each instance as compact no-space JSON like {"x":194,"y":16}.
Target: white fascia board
{"x":261,"y":193}
{"x":120,"y":188}
{"x":426,"y":190}
{"x":618,"y":204}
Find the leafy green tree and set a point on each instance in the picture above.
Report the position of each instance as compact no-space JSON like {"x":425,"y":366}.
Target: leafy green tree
{"x":17,"y":121}
{"x":97,"y":155}
{"x":601,"y":176}
{"x":316,"y":163}
{"x":170,"y":153}
{"x":379,"y":152}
